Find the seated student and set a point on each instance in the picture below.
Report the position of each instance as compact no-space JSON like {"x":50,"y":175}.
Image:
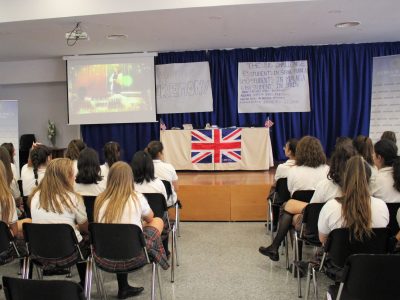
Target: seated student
{"x":54,"y":201}
{"x":32,"y":173}
{"x":386,"y":184}
{"x":163,"y":170}
{"x":310,"y":165}
{"x":120,"y":204}
{"x":8,"y":210}
{"x":328,"y":188}
{"x":112,"y":154}
{"x":88,"y":181}
{"x":282,"y":170}
{"x":389,"y":135}
{"x":74,"y":148}
{"x":12,"y":183}
{"x":356,"y":209}
{"x":11,"y":150}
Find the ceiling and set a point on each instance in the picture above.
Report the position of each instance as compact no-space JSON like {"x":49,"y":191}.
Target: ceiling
{"x":38,"y":32}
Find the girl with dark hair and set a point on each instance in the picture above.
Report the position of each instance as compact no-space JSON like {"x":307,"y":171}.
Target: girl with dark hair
{"x":32,"y":174}
{"x":74,"y":148}
{"x":112,"y":154}
{"x":310,"y":165}
{"x":328,"y":188}
{"x":290,"y":151}
{"x":386,"y":184}
{"x":88,"y":181}
{"x":365,"y":148}
{"x":356,"y":209}
{"x":163,"y":170}
{"x":143,"y":175}
{"x":389,"y":135}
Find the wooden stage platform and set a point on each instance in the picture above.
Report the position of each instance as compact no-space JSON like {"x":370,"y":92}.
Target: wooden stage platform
{"x":224,"y":196}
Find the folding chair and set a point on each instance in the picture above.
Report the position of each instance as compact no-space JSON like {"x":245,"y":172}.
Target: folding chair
{"x":118,"y":248}
{"x":27,"y":289}
{"x":159,"y":207}
{"x":393,"y":225}
{"x":370,"y":277}
{"x":340,"y":245}
{"x":177,"y":205}
{"x":308,"y":234}
{"x":275,"y":200}
{"x":50,"y":246}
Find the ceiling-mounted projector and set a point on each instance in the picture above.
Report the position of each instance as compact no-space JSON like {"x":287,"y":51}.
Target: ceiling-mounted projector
{"x":76,"y":35}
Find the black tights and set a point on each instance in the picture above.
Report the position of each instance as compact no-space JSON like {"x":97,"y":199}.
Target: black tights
{"x":122,"y":279}
{"x":285,"y":221}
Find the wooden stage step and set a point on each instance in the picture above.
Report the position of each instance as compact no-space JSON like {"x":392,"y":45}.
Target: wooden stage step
{"x":224,"y":195}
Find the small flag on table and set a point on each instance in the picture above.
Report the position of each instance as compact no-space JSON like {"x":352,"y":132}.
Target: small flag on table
{"x":268,"y":123}
{"x":162,"y":125}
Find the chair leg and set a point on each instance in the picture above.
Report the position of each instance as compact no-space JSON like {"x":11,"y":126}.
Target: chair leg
{"x":174,"y":236}
{"x":308,"y":281}
{"x":103,"y":289}
{"x":88,"y":279}
{"x":25,"y":268}
{"x":69,"y":275}
{"x":39,"y":273}
{"x":287,"y":252}
{"x":159,"y":280}
{"x":339,"y":294}
{"x":153,"y":281}
{"x":314,"y":274}
{"x":177,"y":219}
{"x":295,"y":262}
{"x":173,"y":255}
{"x":96,"y":272}
{"x":271,"y":221}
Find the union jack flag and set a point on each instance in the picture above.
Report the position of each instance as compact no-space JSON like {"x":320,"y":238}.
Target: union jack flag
{"x":216,"y":146}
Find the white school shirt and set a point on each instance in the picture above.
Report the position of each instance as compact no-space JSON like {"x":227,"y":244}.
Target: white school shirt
{"x":104,"y":169}
{"x":133,"y":211}
{"x":302,"y":178}
{"x":13,"y":216}
{"x":330,"y":217}
{"x":90,"y":189}
{"x":14,"y":171}
{"x":166,"y":171}
{"x":326,"y":190}
{"x":75,"y":166}
{"x":282,"y":170}
{"x":154,"y":186}
{"x":28,"y":179}
{"x":382,"y":186}
{"x":74,"y":217}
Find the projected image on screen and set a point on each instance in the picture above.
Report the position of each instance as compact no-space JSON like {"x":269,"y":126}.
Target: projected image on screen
{"x":113,"y":91}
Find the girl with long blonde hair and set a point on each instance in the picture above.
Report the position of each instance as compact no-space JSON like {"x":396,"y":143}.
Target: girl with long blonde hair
{"x":119,"y":203}
{"x":356,"y":209}
{"x":8,"y":210}
{"x":54,"y":201}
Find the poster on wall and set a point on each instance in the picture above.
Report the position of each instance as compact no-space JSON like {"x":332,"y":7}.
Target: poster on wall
{"x":9,"y":127}
{"x":273,"y":87}
{"x":385,"y":99}
{"x":182,"y":88}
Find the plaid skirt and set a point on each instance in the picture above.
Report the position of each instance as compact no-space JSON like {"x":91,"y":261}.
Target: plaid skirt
{"x":154,"y":248}
{"x":166,"y":229}
{"x":64,"y":262}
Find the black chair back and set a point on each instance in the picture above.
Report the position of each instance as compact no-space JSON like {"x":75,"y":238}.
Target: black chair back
{"x":117,"y":241}
{"x":5,"y":237}
{"x":27,"y":209}
{"x":50,"y":240}
{"x":310,"y":220}
{"x":281,"y":189}
{"x":304,"y":195}
{"x":168,"y":187}
{"x":89,"y":204}
{"x":370,"y":277}
{"x":341,"y":244}
{"x":157,"y":203}
{"x":27,"y":289}
{"x":393,"y":225}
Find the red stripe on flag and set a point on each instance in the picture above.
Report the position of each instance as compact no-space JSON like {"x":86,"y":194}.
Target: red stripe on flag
{"x":231,"y":134}
{"x":200,"y":158}
{"x":198,"y":136}
{"x":234,"y":155}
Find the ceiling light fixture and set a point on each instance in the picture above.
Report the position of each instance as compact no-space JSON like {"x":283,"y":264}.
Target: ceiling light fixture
{"x":347,"y":24}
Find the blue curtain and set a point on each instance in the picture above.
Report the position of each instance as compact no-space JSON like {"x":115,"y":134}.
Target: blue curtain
{"x":340,"y":79}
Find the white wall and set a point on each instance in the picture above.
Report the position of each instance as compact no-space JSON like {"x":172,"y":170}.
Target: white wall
{"x":38,"y":103}
{"x":41,"y":88}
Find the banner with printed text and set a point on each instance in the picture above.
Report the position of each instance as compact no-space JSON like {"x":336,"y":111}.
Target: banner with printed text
{"x":273,"y":87}
{"x":182,"y":88}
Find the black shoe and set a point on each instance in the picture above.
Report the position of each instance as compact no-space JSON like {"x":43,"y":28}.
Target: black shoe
{"x":130,"y":291}
{"x":267,"y":251}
